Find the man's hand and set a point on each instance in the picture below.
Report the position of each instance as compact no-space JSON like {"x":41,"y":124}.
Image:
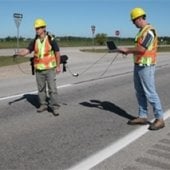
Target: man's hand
{"x":58,"y":69}
{"x":123,"y":50}
{"x":22,"y":52}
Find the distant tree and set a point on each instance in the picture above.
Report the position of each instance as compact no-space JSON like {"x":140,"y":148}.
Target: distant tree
{"x":101,"y":38}
{"x":9,"y":38}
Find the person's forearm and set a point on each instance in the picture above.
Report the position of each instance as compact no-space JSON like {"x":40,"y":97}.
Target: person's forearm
{"x":58,"y":58}
{"x":134,"y":50}
{"x":23,"y":52}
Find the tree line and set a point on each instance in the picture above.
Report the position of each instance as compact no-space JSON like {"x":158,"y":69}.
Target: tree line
{"x":98,"y":39}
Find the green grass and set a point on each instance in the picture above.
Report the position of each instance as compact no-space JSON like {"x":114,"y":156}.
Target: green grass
{"x":164,"y":49}
{"x":9,"y":60}
{"x":104,"y":50}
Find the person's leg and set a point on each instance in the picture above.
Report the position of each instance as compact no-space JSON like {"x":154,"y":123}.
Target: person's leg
{"x":140,"y":93}
{"x":148,"y":81}
{"x":41,"y":85}
{"x":52,"y":89}
{"x":147,"y":77}
{"x":141,"y":99}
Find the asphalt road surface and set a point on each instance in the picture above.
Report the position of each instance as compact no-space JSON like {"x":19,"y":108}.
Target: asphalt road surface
{"x":95,"y":108}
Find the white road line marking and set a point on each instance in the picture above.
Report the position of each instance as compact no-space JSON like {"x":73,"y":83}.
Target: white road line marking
{"x":32,"y":92}
{"x":17,"y":95}
{"x":109,"y":151}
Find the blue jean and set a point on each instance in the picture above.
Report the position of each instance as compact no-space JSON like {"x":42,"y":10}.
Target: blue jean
{"x":144,"y":83}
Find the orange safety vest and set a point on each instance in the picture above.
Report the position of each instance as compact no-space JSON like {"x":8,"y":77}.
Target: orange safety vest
{"x":44,"y":56}
{"x":149,"y":56}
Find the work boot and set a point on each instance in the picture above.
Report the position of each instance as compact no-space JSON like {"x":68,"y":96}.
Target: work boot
{"x":55,"y":112}
{"x":157,"y":124}
{"x":57,"y":106}
{"x":54,"y":109}
{"x":138,"y":121}
{"x":42,"y":108}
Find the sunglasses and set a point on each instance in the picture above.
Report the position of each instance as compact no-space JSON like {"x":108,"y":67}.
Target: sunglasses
{"x":38,"y":28}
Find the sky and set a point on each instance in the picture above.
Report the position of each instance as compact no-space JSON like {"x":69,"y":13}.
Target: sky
{"x":75,"y":17}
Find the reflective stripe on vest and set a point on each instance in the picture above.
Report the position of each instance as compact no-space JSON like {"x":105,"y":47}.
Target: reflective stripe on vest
{"x":149,"y":56}
{"x":44,"y":57}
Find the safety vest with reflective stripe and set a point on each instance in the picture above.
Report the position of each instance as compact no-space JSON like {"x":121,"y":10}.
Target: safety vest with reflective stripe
{"x":44,"y":56}
{"x":149,"y":56}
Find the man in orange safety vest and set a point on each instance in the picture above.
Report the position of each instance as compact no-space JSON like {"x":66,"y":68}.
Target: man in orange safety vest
{"x":46,"y":63}
{"x":144,"y":54}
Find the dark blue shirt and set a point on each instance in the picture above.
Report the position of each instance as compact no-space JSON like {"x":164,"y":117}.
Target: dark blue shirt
{"x":149,"y":37}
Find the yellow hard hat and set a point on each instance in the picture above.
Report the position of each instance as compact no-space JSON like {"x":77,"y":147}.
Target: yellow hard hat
{"x":39,"y":23}
{"x":137,"y":12}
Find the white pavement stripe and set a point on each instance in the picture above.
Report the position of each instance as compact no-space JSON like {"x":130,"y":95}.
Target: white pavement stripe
{"x":102,"y":155}
{"x":17,"y":95}
{"x":32,"y":92}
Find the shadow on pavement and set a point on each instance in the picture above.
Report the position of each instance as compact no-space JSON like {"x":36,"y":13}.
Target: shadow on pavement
{"x":106,"y":105}
{"x":31,"y":98}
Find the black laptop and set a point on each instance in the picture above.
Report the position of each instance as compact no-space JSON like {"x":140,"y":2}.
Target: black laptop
{"x":112,"y":46}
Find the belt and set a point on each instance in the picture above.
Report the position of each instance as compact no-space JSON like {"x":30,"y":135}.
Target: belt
{"x":143,"y":65}
{"x":44,"y":70}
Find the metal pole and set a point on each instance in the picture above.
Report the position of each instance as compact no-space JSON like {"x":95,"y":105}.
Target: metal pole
{"x":17,"y":39}
{"x":17,"y":18}
{"x":93,"y":27}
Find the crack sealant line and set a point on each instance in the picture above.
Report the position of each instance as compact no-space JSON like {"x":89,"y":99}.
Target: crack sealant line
{"x":115,"y":147}
{"x":31,"y":92}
